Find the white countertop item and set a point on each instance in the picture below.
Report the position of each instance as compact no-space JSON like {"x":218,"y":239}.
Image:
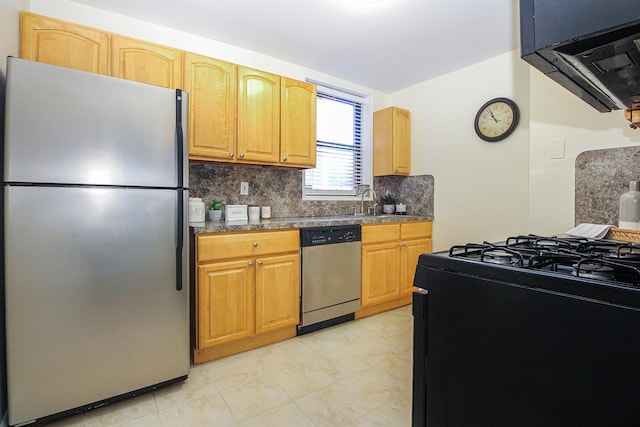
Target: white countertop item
{"x":590,"y":231}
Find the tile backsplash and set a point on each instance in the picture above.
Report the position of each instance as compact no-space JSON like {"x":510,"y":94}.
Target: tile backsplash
{"x":282,"y":190}
{"x":602,"y":176}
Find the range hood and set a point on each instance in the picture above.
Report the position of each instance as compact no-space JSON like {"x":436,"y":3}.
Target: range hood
{"x":590,"y":47}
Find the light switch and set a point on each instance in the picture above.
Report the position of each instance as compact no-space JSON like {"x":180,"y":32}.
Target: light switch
{"x":244,"y":188}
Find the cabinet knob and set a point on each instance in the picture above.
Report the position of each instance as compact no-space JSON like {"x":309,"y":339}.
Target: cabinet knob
{"x":284,"y":159}
{"x":402,"y":244}
{"x":231,"y":154}
{"x":250,"y":263}
{"x":260,"y":262}
{"x":242,"y":155}
{"x":396,"y":171}
{"x":255,"y":244}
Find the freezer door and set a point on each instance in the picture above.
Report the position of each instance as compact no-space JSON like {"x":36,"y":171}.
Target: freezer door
{"x":71,"y":127}
{"x":92,"y":306}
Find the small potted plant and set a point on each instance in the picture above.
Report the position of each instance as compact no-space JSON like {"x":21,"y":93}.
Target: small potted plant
{"x":215,"y":210}
{"x":388,"y":203}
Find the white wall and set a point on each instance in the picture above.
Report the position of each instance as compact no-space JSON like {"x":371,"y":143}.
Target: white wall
{"x":123,"y":25}
{"x":9,"y":29}
{"x":560,"y":118}
{"x":481,"y":188}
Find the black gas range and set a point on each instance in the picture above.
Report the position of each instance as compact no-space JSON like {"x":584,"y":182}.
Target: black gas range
{"x":531,"y":331}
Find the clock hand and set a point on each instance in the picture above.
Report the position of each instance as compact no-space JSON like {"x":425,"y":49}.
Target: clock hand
{"x":493,"y":117}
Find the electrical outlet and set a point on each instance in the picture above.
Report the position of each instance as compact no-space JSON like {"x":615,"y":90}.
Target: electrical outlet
{"x":244,"y":188}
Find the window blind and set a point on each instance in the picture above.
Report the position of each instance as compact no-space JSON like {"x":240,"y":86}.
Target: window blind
{"x":339,"y":157}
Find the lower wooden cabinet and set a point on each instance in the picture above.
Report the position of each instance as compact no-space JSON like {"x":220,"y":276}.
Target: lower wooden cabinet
{"x":390,"y":253}
{"x":248,"y":283}
{"x":226,"y":298}
{"x":247,"y":291}
{"x":410,"y":250}
{"x":277,"y":292}
{"x":380,"y":272}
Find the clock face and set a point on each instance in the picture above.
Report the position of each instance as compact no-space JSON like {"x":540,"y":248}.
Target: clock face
{"x":497,"y":119}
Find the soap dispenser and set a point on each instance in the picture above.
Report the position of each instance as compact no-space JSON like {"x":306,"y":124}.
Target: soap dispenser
{"x":630,"y":207}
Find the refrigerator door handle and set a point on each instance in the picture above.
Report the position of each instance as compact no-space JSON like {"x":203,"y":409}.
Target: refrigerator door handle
{"x":179,"y":239}
{"x":179,"y":138}
{"x":180,"y":184}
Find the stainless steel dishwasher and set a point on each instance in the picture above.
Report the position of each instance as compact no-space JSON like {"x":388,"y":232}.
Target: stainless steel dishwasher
{"x":330,"y":275}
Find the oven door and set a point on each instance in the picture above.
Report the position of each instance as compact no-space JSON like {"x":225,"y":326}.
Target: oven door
{"x":504,"y":354}
{"x":420,"y":339}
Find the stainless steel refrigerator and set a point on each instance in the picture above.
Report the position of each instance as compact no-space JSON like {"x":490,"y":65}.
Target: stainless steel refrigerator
{"x":95,"y":206}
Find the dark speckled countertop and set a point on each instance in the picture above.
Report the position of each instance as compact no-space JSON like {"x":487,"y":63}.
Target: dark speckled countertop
{"x":300,"y":222}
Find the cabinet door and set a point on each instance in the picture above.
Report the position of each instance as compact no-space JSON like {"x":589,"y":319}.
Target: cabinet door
{"x":146,"y":62}
{"x":225,"y":299}
{"x":410,"y":250}
{"x":61,"y":43}
{"x":211,"y":85}
{"x":258,"y":116}
{"x":401,"y":141}
{"x":277,"y":292}
{"x":380,"y":273}
{"x":298,"y":123}
{"x":391,"y":142}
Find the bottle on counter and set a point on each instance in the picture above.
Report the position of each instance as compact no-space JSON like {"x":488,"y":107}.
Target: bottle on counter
{"x":629,"y":218}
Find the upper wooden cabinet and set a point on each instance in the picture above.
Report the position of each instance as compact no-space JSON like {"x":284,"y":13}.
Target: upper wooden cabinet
{"x":391,"y":142}
{"x":236,"y":114}
{"x":61,"y":43}
{"x":212,"y":86}
{"x":216,"y":132}
{"x":258,"y":116}
{"x":298,"y":123}
{"x":146,"y":62}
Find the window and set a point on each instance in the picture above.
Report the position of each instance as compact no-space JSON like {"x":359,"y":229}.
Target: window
{"x":342,"y":146}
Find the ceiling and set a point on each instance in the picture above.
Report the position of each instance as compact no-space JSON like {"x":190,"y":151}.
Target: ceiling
{"x":385,"y":45}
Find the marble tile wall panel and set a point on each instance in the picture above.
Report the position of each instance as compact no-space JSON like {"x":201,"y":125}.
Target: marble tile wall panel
{"x":602,"y":176}
{"x":282,"y":190}
{"x":414,"y":191}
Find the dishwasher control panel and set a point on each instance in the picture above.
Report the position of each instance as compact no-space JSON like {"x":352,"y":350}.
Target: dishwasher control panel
{"x":314,"y":236}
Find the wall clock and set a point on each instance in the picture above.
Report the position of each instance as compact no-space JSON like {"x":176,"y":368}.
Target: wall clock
{"x":497,"y":119}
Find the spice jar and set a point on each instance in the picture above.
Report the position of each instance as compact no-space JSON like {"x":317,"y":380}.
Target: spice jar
{"x":196,"y":209}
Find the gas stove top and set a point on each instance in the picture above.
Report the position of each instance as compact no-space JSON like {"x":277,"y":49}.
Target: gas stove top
{"x":597,"y":269}
{"x":605,"y":260}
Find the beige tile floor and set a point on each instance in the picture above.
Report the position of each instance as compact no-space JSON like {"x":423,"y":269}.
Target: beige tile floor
{"x":354,"y":374}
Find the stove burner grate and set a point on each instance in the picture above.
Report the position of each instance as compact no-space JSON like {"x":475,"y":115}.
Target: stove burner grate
{"x":603,"y":260}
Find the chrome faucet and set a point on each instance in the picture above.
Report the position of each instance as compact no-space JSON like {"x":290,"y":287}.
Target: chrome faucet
{"x":362,"y":191}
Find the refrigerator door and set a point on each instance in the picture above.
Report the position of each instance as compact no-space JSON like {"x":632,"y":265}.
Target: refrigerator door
{"x":93,"y":309}
{"x":90,"y":129}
